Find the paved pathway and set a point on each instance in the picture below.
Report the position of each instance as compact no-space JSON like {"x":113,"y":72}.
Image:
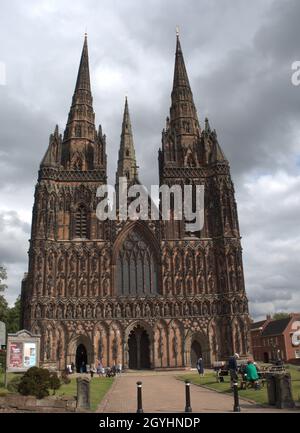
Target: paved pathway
{"x":162,"y":392}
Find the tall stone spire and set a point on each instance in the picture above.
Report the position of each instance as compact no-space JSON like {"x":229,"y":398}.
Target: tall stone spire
{"x":183,"y":114}
{"x":80,"y":132}
{"x":83,"y":77}
{"x":181,"y":136}
{"x":127,"y":162}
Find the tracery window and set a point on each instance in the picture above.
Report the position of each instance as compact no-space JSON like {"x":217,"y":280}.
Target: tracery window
{"x":81,"y":223}
{"x":136,"y":270}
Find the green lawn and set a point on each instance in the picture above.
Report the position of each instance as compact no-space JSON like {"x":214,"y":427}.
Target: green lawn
{"x":260,"y":396}
{"x":9,"y":377}
{"x":99,"y":387}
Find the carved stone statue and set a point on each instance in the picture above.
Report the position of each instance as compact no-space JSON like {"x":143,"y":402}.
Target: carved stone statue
{"x":38,"y":312}
{"x":138,"y":311}
{"x":98,"y":312}
{"x":89,"y":312}
{"x":127,"y":311}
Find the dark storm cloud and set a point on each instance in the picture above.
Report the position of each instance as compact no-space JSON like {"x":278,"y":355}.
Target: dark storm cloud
{"x":238,"y":55}
{"x":13,"y":233}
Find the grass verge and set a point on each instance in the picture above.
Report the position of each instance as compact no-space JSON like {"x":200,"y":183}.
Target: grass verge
{"x":259,"y":396}
{"x":99,"y":387}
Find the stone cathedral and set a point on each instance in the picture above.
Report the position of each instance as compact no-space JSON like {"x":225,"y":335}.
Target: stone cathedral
{"x":146,"y":294}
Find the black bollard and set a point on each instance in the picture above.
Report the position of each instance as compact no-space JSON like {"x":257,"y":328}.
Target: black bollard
{"x":139,"y":398}
{"x":187,"y":397}
{"x":236,"y":406}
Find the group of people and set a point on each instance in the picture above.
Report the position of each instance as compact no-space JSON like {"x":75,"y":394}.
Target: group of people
{"x":249,"y":371}
{"x":108,"y":371}
{"x":92,"y":370}
{"x":70,"y":368}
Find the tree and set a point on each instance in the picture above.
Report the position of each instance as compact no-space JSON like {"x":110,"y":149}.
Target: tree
{"x":11,"y":316}
{"x":3,"y":276}
{"x":3,"y":309}
{"x":3,"y":302}
{"x":14,"y":316}
{"x":280,"y":315}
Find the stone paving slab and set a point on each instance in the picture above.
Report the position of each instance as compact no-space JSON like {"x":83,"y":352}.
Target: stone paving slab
{"x":162,"y":392}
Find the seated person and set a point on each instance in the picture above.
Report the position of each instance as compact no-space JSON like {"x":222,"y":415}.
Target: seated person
{"x":242,"y":371}
{"x":251,"y":373}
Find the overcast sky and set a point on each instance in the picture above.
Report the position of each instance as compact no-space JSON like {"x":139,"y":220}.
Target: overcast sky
{"x":238,"y":56}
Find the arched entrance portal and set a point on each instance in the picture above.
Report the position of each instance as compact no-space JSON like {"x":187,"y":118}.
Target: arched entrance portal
{"x":139,"y":349}
{"x":196,"y":352}
{"x":81,"y":359}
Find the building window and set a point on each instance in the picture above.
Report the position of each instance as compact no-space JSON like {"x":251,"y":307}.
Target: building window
{"x":81,"y":224}
{"x":297,"y":353}
{"x":136,"y":270}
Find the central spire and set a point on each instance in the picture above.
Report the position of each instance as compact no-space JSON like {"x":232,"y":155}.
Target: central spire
{"x":127,"y":162}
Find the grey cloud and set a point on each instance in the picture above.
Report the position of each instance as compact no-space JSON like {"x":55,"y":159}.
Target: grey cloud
{"x":238,"y":56}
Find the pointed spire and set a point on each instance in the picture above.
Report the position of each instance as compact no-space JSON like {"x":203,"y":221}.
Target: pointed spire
{"x":211,"y":147}
{"x":53,"y":153}
{"x":180,"y":74}
{"x":83,"y":77}
{"x":127,"y":161}
{"x":183,"y":114}
{"x":217,"y":153}
{"x":207,"y":128}
{"x":80,"y":130}
{"x":126,"y":124}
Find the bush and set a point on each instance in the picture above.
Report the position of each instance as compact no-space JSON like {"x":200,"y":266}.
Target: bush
{"x":13,"y":384}
{"x":35,"y":381}
{"x":54,"y":382}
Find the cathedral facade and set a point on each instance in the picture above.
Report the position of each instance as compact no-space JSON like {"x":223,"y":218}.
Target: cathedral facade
{"x":144,"y":294}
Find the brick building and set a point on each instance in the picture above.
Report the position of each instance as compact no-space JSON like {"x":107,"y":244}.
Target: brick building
{"x":276,"y":339}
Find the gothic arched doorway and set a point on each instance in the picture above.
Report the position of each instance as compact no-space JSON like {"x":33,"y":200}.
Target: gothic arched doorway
{"x":196,"y":353}
{"x":81,"y":359}
{"x":139,"y":349}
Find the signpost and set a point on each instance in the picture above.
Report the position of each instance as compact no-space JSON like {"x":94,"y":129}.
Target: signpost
{"x":3,"y":349}
{"x":23,"y":350}
{"x":2,"y":336}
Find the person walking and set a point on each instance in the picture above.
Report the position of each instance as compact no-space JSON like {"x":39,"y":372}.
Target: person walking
{"x":200,"y":366}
